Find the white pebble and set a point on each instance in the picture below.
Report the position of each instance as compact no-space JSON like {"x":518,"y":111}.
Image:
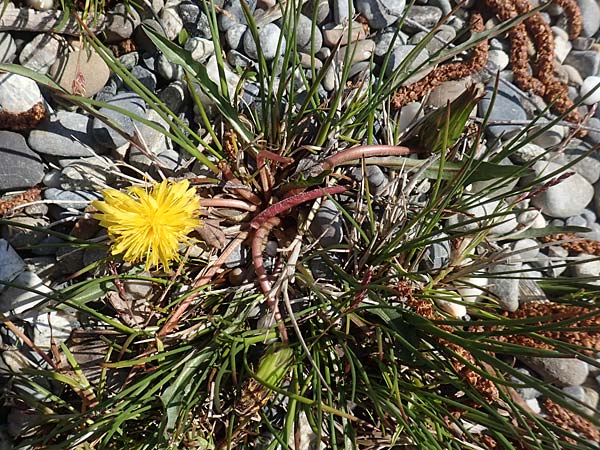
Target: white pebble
{"x":589,"y":84}
{"x":40,"y":5}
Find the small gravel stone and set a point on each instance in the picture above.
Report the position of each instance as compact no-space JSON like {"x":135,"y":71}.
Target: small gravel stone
{"x":11,"y":264}
{"x":71,"y":199}
{"x":167,"y":70}
{"x":18,"y":299}
{"x":65,"y":134}
{"x":426,"y":16}
{"x":562,"y":47}
{"x":343,"y":11}
{"x":106,"y":135}
{"x":380,"y":13}
{"x":322,"y":7}
{"x":586,"y":266}
{"x":590,"y":90}
{"x":88,"y":174}
{"x":562,"y":371}
{"x":268,"y":37}
{"x":437,"y":255}
{"x":568,"y":198}
{"x":526,"y":153}
{"x":506,"y":289}
{"x":581,"y":395}
{"x":507,"y":106}
{"x":144,"y":76}
{"x":234,"y":35}
{"x":307,"y":36}
{"x":359,"y":51}
{"x":549,"y":137}
{"x":121,"y":23}
{"x":201,"y":49}
{"x":21,"y":167}
{"x":527,"y":393}
{"x":171,"y":20}
{"x":327,"y":224}
{"x":389,"y":41}
{"x":42,"y":52}
{"x":400,"y":54}
{"x":8,"y":48}
{"x":587,"y":62}
{"x":18,"y":236}
{"x":233,"y":13}
{"x":590,"y":14}
{"x":528,"y":248}
{"x":18,"y":94}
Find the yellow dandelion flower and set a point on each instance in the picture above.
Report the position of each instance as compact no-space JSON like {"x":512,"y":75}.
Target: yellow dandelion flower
{"x":149,"y":225}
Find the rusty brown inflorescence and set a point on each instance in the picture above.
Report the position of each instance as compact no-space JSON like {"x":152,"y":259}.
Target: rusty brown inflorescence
{"x":446,"y":72}
{"x":25,"y":120}
{"x":571,"y":421}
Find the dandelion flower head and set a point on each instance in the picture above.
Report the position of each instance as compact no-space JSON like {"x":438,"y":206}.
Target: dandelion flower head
{"x":149,"y":224}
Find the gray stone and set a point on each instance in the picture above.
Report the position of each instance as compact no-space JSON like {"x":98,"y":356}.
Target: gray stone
{"x":20,"y":237}
{"x":576,"y":221}
{"x":526,"y":153}
{"x":437,"y":255}
{"x":586,"y":266}
{"x":8,"y":48}
{"x":389,"y":41}
{"x":88,"y":174}
{"x":558,"y":255}
{"x":18,"y":299}
{"x":144,"y":76}
{"x":562,"y":371}
{"x":11,"y":263}
{"x":528,"y":249}
{"x":139,"y":289}
{"x":154,"y":142}
{"x":585,"y":61}
{"x":409,"y":114}
{"x":593,"y":136}
{"x":168,"y":70}
{"x":234,"y":14}
{"x":171,"y":20}
{"x":426,"y":16}
{"x":71,"y":199}
{"x":121,"y":22}
{"x":200,"y":49}
{"x":106,"y":135}
{"x":322,"y":9}
{"x":327,"y":224}
{"x":444,"y":5}
{"x":507,"y":106}
{"x":18,"y":94}
{"x":381,"y":13}
{"x":308,"y":37}
{"x":21,"y":167}
{"x":549,"y":137}
{"x":590,"y":14}
{"x":130,"y":60}
{"x":567,"y":198}
{"x":581,"y":394}
{"x":171,"y":160}
{"x":268,"y":37}
{"x":234,"y":35}
{"x":442,"y":38}
{"x":589,"y":216}
{"x":527,"y":393}
{"x":502,"y":224}
{"x":506,"y":289}
{"x":378,"y":181}
{"x":343,"y":11}
{"x":52,"y":326}
{"x":174,"y":96}
{"x":588,"y":167}
{"x":359,"y":51}
{"x":400,"y":55}
{"x":65,"y":134}
{"x":583,"y":43}
{"x":47,"y":246}
{"x":42,"y":52}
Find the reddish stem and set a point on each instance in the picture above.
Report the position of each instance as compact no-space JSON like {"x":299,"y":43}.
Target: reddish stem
{"x":229,"y":176}
{"x":290,"y":202}
{"x":365,"y":151}
{"x":227,"y":203}
{"x":266,"y":178}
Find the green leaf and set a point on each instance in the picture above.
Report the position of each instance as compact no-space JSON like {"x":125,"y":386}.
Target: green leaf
{"x":547,"y":231}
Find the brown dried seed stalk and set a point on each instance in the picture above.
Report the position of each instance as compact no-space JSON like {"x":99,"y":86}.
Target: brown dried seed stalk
{"x":29,"y":195}
{"x":446,"y":72}
{"x":577,"y":333}
{"x":576,"y":244}
{"x":24,"y":120}
{"x":571,"y":421}
{"x":485,"y":386}
{"x":573,"y":12}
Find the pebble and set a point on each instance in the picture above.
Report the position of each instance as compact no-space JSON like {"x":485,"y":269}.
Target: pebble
{"x":121,"y":23}
{"x":107,"y":136}
{"x":343,"y":34}
{"x":568,"y":198}
{"x":586,"y":266}
{"x":587,"y":62}
{"x":469,"y":288}
{"x":171,"y":20}
{"x":234,"y":14}
{"x":145,"y":77}
{"x":581,"y":394}
{"x":359,"y":51}
{"x":507,"y":106}
{"x":21,"y":167}
{"x":590,"y":90}
{"x":154,"y":142}
{"x":527,"y":393}
{"x":42,"y":52}
{"x":562,"y":371}
{"x":51,"y":326}
{"x":548,"y":137}
{"x":71,"y":199}
{"x":399,"y":56}
{"x":20,"y":237}
{"x":200,"y":49}
{"x":447,"y":92}
{"x":174,"y":96}
{"x":526,"y":153}
{"x":19,"y":94}
{"x":64,"y":134}
{"x":378,"y":181}
{"x":322,"y":9}
{"x":409,"y":114}
{"x":167,"y":70}
{"x":437,"y":255}
{"x":499,"y":59}
{"x":234,"y":35}
{"x":308,"y":37}
{"x":506,"y":289}
{"x":92,"y":173}
{"x":327,"y":225}
{"x":528,"y":249}
{"x":268,"y":37}
{"x":343,"y":11}
{"x":18,"y":299}
{"x":86,"y":64}
{"x":562,"y":47}
{"x":590,"y":14}
{"x":11,"y":264}
{"x":380,"y":13}
{"x":426,"y":16}
{"x":588,"y":166}
{"x":8,"y":48}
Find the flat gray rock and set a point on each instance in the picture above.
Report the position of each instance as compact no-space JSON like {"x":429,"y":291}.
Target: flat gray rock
{"x":107,"y":136}
{"x":42,"y":51}
{"x":562,"y":371}
{"x":18,"y":94}
{"x":507,"y":106}
{"x":567,"y":198}
{"x":8,"y":48}
{"x":381,"y":13}
{"x":71,"y":199}
{"x":590,"y":14}
{"x":21,"y":167}
{"x":67,"y":134}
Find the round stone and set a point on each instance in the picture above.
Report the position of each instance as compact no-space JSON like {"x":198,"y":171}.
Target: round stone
{"x":82,"y":71}
{"x":590,"y":90}
{"x":268,"y":37}
{"x":21,"y":167}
